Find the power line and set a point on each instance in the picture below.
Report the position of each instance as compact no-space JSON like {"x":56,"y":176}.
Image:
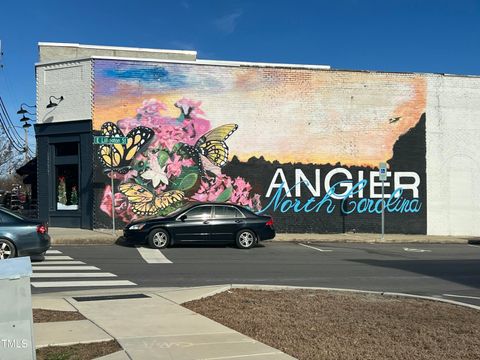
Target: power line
{"x":13,"y":142}
{"x":10,"y":123}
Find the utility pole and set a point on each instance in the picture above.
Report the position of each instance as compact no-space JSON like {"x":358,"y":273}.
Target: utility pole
{"x":26,"y":149}
{"x":26,"y":145}
{"x":383,"y":176}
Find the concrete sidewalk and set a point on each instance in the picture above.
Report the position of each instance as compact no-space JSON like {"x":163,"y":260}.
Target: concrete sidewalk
{"x":68,"y":236}
{"x":151,"y":327}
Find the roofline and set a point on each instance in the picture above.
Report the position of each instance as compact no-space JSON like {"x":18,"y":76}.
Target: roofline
{"x":191,"y":62}
{"x":251,"y":64}
{"x":120,"y":48}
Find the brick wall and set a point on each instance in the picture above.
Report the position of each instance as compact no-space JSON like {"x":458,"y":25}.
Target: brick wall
{"x":296,"y":119}
{"x":453,"y":166}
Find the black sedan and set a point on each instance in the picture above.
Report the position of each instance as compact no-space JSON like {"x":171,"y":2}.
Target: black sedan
{"x":203,"y":222}
{"x":20,"y":236}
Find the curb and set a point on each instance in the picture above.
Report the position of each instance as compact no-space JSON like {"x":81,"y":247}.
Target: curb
{"x":155,"y":290}
{"x":96,"y":239}
{"x":107,"y":240}
{"x":382,"y":293}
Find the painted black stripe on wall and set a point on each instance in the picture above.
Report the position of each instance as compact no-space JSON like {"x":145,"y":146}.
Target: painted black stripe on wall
{"x":409,"y":155}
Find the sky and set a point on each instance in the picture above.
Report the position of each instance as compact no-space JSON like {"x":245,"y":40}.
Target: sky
{"x":390,"y":35}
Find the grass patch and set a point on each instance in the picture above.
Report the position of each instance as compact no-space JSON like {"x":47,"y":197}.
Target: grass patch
{"x":41,"y":315}
{"x":314,"y":324}
{"x":78,"y":351}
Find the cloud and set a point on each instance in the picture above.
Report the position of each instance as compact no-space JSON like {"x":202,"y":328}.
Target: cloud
{"x":156,"y":79}
{"x":228,"y":23}
{"x":156,"y":76}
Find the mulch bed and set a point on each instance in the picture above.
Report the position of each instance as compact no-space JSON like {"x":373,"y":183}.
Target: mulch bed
{"x":79,"y":351}
{"x":41,"y":315}
{"x":313,"y":324}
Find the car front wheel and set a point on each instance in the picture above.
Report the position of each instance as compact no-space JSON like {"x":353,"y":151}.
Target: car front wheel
{"x":7,"y":249}
{"x":246,"y":239}
{"x":159,"y":239}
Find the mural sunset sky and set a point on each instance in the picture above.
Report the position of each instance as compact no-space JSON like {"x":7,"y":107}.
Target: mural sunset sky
{"x":337,"y":125}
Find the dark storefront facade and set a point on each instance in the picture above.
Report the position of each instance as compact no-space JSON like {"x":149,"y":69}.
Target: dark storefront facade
{"x":64,"y":167}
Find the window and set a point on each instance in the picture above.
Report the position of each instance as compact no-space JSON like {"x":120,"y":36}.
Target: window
{"x":201,"y":212}
{"x":67,"y":187}
{"x":66,"y":149}
{"x":226,"y":212}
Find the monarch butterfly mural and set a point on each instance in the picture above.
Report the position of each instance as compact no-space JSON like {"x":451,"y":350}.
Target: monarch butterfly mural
{"x":117,"y":157}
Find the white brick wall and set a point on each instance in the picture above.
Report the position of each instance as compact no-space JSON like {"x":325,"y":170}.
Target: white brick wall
{"x":73,"y":81}
{"x":453,"y":153}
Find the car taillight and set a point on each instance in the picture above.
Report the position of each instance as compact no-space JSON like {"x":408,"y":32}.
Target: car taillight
{"x":269,"y":222}
{"x":41,"y":229}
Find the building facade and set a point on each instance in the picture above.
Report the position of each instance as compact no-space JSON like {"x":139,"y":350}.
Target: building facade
{"x":302,"y":143}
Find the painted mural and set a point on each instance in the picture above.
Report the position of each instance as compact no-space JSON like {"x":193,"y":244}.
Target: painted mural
{"x":301,"y":144}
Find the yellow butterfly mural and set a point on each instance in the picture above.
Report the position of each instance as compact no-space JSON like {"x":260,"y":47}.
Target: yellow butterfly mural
{"x":118,"y":157}
{"x":147,"y":203}
{"x":212,"y":146}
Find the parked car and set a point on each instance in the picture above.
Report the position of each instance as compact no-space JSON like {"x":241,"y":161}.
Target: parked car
{"x":203,"y":222}
{"x":20,"y":236}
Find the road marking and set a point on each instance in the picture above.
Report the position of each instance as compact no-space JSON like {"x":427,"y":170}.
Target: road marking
{"x":51,"y":284}
{"x":416,"y":250}
{"x":60,"y":268}
{"x":152,"y":256}
{"x":462,"y":296}
{"x":476,"y":246}
{"x":72,"y":275}
{"x":57,"y":257}
{"x":315,"y":248}
{"x":58,"y":263}
{"x":49,"y":252}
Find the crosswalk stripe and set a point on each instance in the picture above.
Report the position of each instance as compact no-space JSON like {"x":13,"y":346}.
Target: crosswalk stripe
{"x":67,"y":262}
{"x":49,"y":252}
{"x":72,"y":275}
{"x":66,"y":267}
{"x":45,"y":284}
{"x":153,"y":256}
{"x":57,"y":257}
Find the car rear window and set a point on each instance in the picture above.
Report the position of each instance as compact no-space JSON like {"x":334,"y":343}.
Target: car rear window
{"x":9,"y":217}
{"x":227,"y":212}
{"x":201,"y":212}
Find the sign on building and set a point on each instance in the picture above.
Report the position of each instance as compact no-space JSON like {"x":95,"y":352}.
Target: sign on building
{"x":108,"y":140}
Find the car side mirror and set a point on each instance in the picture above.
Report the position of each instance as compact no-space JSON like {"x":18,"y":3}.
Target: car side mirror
{"x":183,"y":217}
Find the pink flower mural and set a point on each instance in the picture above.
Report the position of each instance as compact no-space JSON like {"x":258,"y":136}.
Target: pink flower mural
{"x":181,"y":162}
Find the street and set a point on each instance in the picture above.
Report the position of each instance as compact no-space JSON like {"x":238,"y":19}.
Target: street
{"x":448,"y":271}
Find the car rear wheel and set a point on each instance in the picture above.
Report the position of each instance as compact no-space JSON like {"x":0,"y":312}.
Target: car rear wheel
{"x":7,"y":249}
{"x":159,"y":239}
{"x":246,"y":239}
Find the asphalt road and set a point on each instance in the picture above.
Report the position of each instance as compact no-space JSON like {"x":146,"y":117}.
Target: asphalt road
{"x":449,"y":271}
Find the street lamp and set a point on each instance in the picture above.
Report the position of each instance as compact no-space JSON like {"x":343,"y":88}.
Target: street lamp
{"x":22,"y":111}
{"x":52,"y":104}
